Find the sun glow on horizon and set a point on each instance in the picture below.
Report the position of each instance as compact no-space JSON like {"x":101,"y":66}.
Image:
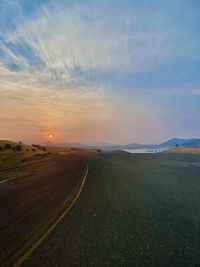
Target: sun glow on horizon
{"x":99,"y":71}
{"x":51,"y":135}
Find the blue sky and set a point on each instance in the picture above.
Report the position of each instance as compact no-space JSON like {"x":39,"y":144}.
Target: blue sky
{"x":100,"y":71}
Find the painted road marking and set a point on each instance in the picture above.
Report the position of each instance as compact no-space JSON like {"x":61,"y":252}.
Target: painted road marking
{"x":45,"y":235}
{"x":4,"y":181}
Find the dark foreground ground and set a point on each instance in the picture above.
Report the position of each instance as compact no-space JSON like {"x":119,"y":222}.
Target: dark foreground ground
{"x":31,"y":197}
{"x":135,"y":210}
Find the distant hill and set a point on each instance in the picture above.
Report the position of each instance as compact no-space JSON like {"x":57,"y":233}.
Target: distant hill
{"x":168,"y":144}
{"x":24,"y":147}
{"x":180,"y":142}
{"x":105,"y":146}
{"x":14,"y":154}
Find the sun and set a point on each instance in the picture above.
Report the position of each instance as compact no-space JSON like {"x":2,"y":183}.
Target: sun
{"x":50,"y":135}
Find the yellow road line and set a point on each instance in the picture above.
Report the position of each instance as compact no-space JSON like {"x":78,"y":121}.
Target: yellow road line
{"x":44,"y":236}
{"x":3,"y":181}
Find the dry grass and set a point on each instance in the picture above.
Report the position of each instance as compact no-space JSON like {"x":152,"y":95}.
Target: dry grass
{"x":10,"y":158}
{"x":183,"y":150}
{"x":24,"y":147}
{"x":69,"y":150}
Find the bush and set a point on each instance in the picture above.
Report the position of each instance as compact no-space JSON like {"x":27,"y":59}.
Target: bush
{"x":17,"y":148}
{"x":1,"y":148}
{"x":33,"y":149}
{"x":37,"y":146}
{"x":7,"y":146}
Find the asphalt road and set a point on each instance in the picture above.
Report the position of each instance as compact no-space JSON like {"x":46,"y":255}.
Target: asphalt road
{"x":135,"y":210}
{"x":30,"y":198}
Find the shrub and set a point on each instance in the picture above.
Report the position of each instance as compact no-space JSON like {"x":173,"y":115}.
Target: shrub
{"x":1,"y":148}
{"x":37,"y":146}
{"x":17,"y":148}
{"x":7,"y":146}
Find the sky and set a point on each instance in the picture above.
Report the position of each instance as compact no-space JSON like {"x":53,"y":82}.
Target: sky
{"x":99,"y":71}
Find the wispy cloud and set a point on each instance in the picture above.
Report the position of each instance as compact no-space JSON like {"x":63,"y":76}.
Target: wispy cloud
{"x":178,"y":92}
{"x":39,"y":76}
{"x":50,"y":50}
{"x":61,"y":39}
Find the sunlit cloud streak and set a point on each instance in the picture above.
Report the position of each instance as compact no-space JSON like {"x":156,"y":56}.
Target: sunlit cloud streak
{"x":51,"y":51}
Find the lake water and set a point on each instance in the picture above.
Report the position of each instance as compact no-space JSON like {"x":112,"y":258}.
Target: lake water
{"x":142,"y":150}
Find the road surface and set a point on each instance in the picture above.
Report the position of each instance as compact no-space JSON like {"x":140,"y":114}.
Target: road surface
{"x":135,"y":210}
{"x":30,"y":198}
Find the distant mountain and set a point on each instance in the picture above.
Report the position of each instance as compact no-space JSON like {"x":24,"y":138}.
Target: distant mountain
{"x":181,"y":142}
{"x":168,"y":144}
{"x":132,"y":146}
{"x":82,"y":145}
